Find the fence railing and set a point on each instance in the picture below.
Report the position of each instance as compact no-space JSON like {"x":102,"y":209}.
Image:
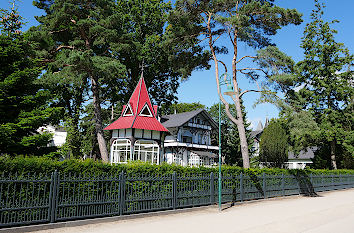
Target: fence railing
{"x":37,"y":198}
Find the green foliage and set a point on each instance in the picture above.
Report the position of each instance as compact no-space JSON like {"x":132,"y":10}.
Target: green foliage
{"x":46,"y":165}
{"x":321,"y":95}
{"x":180,"y":107}
{"x":23,"y":102}
{"x":96,"y":50}
{"x":274,"y":145}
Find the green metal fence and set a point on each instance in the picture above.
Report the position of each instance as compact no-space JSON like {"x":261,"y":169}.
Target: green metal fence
{"x":40,"y":198}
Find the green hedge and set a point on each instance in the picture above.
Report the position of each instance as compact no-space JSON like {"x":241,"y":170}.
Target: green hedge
{"x":23,"y":164}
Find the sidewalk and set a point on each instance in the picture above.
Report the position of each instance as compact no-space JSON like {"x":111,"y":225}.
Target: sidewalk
{"x":331,"y":212}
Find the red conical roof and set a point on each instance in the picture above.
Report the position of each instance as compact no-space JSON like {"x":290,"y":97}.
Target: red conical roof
{"x":138,"y":113}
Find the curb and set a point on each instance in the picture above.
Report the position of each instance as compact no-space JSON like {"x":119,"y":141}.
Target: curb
{"x":75,"y":223}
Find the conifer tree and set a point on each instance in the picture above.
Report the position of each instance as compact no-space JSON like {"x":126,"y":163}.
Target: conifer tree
{"x":94,"y":51}
{"x":324,"y":80}
{"x":273,"y":150}
{"x":23,"y":102}
{"x":242,"y":22}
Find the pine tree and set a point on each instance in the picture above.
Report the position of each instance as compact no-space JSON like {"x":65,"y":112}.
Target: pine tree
{"x":23,"y":102}
{"x":94,"y":51}
{"x":241,"y":21}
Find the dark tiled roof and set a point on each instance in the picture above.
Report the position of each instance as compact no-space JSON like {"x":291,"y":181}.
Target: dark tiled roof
{"x":307,"y":153}
{"x":179,"y":119}
{"x":255,"y":133}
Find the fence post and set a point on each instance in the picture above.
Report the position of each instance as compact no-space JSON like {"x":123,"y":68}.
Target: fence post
{"x":53,"y":197}
{"x":333,"y":186}
{"x":121,"y":193}
{"x":241,"y":186}
{"x":322,"y":183}
{"x":174,"y":190}
{"x":282,"y":184}
{"x":264,"y":186}
{"x":212,"y":191}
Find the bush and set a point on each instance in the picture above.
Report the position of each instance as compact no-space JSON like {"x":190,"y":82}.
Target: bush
{"x":45,"y":165}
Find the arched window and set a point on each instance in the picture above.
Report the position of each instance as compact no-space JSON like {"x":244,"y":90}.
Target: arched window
{"x":120,"y":151}
{"x":147,"y":151}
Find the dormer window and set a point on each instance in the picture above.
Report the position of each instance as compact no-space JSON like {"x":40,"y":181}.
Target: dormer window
{"x":145,"y":111}
{"x":128,"y":111}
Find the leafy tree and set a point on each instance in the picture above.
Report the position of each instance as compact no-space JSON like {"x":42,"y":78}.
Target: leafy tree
{"x":149,"y":42}
{"x":75,"y":40}
{"x":23,"y":102}
{"x":323,"y":88}
{"x":244,"y":23}
{"x":230,"y":141}
{"x":180,"y":107}
{"x":94,"y":51}
{"x":274,"y":145}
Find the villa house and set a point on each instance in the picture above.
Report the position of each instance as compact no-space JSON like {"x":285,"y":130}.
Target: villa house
{"x":189,"y":141}
{"x":137,"y":134}
{"x":179,"y":138}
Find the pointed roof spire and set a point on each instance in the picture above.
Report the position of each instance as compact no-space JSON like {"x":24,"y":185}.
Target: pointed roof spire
{"x":259,"y":126}
{"x":266,"y":122}
{"x":138,"y":113}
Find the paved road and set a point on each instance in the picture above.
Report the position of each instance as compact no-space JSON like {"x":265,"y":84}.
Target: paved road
{"x":332,"y":212}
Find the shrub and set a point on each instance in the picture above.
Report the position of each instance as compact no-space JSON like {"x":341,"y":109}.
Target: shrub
{"x":45,"y":165}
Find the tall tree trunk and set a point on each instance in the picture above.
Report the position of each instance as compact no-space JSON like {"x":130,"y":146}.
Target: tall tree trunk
{"x":239,"y":118}
{"x":98,"y":120}
{"x":333,"y":154}
{"x":240,"y":123}
{"x":236,"y":98}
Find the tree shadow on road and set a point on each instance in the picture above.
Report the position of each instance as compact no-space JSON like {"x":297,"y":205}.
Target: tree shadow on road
{"x":305,"y":186}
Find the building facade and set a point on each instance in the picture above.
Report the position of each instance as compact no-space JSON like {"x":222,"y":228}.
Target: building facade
{"x":189,"y":141}
{"x":138,"y":134}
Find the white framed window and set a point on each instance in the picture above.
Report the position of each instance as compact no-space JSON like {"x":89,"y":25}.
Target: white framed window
{"x":177,"y":159}
{"x":147,"y":151}
{"x":128,"y":111}
{"x":120,"y":151}
{"x":145,"y":111}
{"x":194,"y":160}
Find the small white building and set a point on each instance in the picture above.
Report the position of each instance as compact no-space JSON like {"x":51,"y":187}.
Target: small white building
{"x":59,"y":134}
{"x":303,"y":159}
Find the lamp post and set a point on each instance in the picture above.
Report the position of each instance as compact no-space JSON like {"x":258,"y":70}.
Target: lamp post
{"x":229,"y":92}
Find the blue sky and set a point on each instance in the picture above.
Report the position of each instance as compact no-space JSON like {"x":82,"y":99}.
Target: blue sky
{"x":201,"y":86}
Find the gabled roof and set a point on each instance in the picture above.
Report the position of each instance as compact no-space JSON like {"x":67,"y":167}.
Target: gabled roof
{"x":179,"y":119}
{"x":139,"y":102}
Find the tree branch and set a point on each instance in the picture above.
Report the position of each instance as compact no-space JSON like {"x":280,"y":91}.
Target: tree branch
{"x":244,"y":92}
{"x":240,"y":70}
{"x":251,"y":78}
{"x":245,"y":57}
{"x":64,"y":47}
